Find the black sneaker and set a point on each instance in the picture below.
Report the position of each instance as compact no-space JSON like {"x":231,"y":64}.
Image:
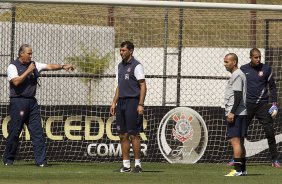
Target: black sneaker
{"x":124,"y":169}
{"x":137,"y":169}
{"x":43,"y":165}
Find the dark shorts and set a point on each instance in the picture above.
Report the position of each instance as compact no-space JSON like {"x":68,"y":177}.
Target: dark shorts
{"x":238,"y":128}
{"x":127,"y":118}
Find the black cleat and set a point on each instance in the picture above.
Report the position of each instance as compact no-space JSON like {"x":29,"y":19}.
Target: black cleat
{"x":137,"y":169}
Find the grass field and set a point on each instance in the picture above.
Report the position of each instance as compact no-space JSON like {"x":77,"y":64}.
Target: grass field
{"x":154,"y":173}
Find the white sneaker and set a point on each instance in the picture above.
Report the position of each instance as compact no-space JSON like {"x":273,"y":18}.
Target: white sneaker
{"x":125,"y":169}
{"x":233,"y":172}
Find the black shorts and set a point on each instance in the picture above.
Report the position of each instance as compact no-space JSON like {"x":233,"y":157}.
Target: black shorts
{"x":238,"y":128}
{"x":127,"y":118}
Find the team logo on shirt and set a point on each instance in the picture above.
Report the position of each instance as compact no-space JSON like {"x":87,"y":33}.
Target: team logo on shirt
{"x":260,"y":73}
{"x":182,"y":136}
{"x":128,"y":70}
{"x":126,"y":76}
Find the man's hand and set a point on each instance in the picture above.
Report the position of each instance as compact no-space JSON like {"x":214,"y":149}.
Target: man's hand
{"x":140,"y":109}
{"x":31,"y":67}
{"x":273,"y":111}
{"x":112,"y":109}
{"x":68,"y":67}
{"x":230,"y":117}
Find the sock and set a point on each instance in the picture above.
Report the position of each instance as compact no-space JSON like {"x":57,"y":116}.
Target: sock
{"x":238,"y":164}
{"x":137,"y":162}
{"x":243,"y":166}
{"x":126,"y":163}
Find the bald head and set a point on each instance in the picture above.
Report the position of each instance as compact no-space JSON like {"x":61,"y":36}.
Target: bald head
{"x":231,"y":62}
{"x":233,"y":56}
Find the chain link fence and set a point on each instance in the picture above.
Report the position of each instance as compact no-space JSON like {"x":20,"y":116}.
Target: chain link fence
{"x":182,"y":51}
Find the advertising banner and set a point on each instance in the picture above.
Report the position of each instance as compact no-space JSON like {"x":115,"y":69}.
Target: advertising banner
{"x":171,"y":134}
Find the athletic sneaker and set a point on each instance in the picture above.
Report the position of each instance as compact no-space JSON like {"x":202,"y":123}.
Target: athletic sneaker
{"x":231,"y":162}
{"x":137,"y":169}
{"x":124,"y":169}
{"x":42,"y":165}
{"x":244,"y":173}
{"x":276,"y":164}
{"x":233,"y":172}
{"x":8,"y":164}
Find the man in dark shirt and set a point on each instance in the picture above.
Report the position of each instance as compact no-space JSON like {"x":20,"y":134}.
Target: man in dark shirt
{"x":128,"y":105}
{"x":259,"y":80}
{"x":22,"y":75}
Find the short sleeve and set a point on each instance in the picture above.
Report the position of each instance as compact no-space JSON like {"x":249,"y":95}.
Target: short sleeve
{"x":237,"y":84}
{"x":139,"y":72}
{"x":40,"y":66}
{"x":12,"y":72}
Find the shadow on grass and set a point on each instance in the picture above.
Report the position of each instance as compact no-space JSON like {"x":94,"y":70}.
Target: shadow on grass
{"x":253,"y":175}
{"x":153,"y":171}
{"x":147,"y":171}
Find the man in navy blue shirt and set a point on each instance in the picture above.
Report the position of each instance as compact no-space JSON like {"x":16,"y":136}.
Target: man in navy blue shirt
{"x":22,"y":75}
{"x":259,"y":81}
{"x":128,"y":105}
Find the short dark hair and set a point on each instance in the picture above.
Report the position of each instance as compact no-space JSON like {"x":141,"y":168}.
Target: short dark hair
{"x":128,"y":44}
{"x":22,"y":48}
{"x":234,"y":56}
{"x":254,"y":50}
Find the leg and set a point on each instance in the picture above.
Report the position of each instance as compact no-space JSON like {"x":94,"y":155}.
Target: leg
{"x":236,"y":145}
{"x":135,"y":139}
{"x":236,"y":131}
{"x":123,"y":135}
{"x":134,"y":127}
{"x":18,"y":114}
{"x":243,"y":157}
{"x":245,"y":121}
{"x":267,"y":122}
{"x":125,"y":149}
{"x":37,"y":134}
{"x":251,"y":109}
{"x":237,"y":152}
{"x":125,"y":146}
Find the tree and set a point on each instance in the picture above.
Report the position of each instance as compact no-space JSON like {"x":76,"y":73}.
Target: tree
{"x":90,"y":62}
